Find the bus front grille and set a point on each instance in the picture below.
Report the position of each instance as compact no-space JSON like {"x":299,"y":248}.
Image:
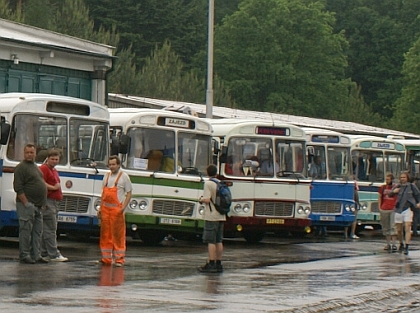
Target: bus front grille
{"x":374,"y":207}
{"x":171,"y":207}
{"x":326,"y":207}
{"x":74,"y":204}
{"x":279,"y":209}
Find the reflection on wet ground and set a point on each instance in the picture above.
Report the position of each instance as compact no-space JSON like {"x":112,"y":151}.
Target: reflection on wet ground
{"x":278,"y":276}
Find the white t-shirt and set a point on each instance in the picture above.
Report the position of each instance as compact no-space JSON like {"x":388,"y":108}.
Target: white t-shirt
{"x":124,"y":184}
{"x":210,"y":191}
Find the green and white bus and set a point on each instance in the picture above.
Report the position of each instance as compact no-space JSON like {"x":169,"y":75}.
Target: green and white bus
{"x":165,"y":154}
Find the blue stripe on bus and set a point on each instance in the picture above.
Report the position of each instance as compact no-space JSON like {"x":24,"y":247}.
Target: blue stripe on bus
{"x":81,"y":175}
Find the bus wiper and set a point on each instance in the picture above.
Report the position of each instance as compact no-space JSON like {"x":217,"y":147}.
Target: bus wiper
{"x":191,"y":170}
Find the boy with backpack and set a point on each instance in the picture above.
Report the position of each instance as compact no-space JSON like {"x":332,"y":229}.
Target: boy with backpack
{"x":213,"y":224}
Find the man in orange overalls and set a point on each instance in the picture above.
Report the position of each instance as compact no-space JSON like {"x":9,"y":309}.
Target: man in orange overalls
{"x":116,"y":194}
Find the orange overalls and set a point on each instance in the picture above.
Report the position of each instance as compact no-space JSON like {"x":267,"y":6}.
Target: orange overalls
{"x":112,"y":239}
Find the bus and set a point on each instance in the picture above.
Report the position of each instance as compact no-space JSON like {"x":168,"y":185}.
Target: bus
{"x":166,"y":155}
{"x":372,"y":159}
{"x":332,"y":192}
{"x":412,"y":157}
{"x":80,"y":130}
{"x":263,"y":163}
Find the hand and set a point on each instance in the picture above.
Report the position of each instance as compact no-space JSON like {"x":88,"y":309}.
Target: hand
{"x":418,"y":205}
{"x":200,"y":200}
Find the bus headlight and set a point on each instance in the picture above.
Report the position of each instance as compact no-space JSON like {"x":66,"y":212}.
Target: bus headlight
{"x":300,"y":209}
{"x":347,"y":208}
{"x":143,"y":205}
{"x":201,"y":209}
{"x":363,"y":205}
{"x":247,"y":208}
{"x":307,"y":210}
{"x":97,"y":204}
{"x":237,"y":208}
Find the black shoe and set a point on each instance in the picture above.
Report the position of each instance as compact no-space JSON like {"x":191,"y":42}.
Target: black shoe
{"x":27,"y":260}
{"x":394,"y":248}
{"x":401,"y":248}
{"x":219,"y":268}
{"x":406,"y":250}
{"x":42,"y":260}
{"x":208,"y":268}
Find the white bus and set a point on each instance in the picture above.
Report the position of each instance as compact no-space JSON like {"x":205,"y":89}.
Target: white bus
{"x":264,"y":164}
{"x":79,"y":128}
{"x":373,"y":158}
{"x":165,"y":154}
{"x":332,"y":193}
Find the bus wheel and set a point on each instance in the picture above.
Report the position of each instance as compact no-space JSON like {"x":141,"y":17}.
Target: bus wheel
{"x":298,"y":234}
{"x":253,"y":237}
{"x":151,"y":237}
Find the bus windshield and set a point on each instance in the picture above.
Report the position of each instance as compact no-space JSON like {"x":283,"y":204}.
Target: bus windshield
{"x":256,"y":156}
{"x":155,"y":150}
{"x":87,"y":138}
{"x":330,"y":164}
{"x":374,"y":165}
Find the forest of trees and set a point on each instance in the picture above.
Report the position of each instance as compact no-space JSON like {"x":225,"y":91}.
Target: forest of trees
{"x":351,"y":60}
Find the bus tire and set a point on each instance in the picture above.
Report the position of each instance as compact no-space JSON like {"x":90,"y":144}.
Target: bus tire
{"x":253,"y":237}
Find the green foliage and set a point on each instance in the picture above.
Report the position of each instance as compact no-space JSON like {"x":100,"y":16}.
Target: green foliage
{"x":123,"y":78}
{"x":281,"y":55}
{"x":407,"y":114}
{"x":6,"y":12}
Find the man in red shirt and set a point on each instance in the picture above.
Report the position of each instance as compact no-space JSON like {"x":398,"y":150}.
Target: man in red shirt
{"x":386,"y":202}
{"x":49,"y":231}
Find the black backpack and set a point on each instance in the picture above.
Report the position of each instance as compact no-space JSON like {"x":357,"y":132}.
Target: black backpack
{"x":223,"y":197}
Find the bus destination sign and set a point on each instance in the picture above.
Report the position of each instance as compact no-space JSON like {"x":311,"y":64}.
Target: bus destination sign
{"x":275,"y":131}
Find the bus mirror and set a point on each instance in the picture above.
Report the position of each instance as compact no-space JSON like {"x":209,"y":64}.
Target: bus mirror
{"x":223,"y":155}
{"x":115,"y":145}
{"x":124,"y":143}
{"x":5,"y":131}
{"x":311,"y":150}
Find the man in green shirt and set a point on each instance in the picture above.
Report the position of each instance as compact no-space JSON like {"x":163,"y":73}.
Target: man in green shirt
{"x":31,"y":198}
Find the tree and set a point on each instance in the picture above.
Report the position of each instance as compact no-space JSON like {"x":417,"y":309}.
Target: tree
{"x":407,"y":113}
{"x":282,"y":56}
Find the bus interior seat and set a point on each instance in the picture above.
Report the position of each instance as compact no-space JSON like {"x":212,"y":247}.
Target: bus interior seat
{"x":155,"y":158}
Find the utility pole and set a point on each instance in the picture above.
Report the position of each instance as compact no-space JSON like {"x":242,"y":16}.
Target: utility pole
{"x":209,"y":92}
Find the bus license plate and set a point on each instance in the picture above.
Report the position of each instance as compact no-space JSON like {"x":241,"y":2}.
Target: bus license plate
{"x":274,"y":221}
{"x":327,"y":218}
{"x":171,"y":221}
{"x":67,"y":219}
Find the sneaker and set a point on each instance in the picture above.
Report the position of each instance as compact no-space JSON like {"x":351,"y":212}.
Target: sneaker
{"x":42,"y":260}
{"x":59,"y":258}
{"x":394,"y":248}
{"x":207,"y":268}
{"x":101,"y":262}
{"x":219,"y":268}
{"x":406,"y":250}
{"x":27,"y":260}
{"x":387,"y":247}
{"x":118,"y":264}
{"x":354,"y":237}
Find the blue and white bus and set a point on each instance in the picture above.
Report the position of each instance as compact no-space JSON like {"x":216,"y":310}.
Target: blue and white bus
{"x":373,"y":158}
{"x":78,"y":128}
{"x":332,"y":191}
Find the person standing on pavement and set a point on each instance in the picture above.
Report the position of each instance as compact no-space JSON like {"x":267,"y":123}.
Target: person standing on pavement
{"x":387,"y":201}
{"x":31,"y":198}
{"x":407,"y":198}
{"x":54,"y":196}
{"x":213,"y":225}
{"x":116,"y":194}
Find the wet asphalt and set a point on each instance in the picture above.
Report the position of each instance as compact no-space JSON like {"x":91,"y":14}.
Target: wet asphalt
{"x":280,"y":274}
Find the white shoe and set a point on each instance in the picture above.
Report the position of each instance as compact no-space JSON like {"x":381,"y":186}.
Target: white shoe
{"x":59,"y":258}
{"x":354,"y":237}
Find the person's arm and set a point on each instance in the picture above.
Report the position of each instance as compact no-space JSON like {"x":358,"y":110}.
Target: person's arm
{"x":126,"y":200}
{"x":380,"y":192}
{"x":205,"y":198}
